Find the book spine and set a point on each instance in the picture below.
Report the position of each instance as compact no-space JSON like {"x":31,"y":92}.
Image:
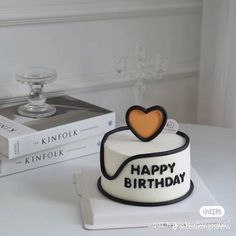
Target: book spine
{"x":52,"y":156}
{"x":9,"y":129}
{"x":72,"y":132}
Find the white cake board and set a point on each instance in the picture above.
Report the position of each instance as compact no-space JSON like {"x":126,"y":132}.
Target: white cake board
{"x":99,"y":212}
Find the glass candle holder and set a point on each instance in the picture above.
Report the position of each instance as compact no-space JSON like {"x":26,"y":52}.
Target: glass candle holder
{"x":36,"y":78}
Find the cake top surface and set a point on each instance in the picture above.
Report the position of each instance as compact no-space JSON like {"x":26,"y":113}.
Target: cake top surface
{"x":126,"y":143}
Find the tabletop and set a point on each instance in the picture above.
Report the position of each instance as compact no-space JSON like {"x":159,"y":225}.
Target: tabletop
{"x":43,"y":201}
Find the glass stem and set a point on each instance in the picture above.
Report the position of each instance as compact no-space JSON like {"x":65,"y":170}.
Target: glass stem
{"x":36,"y":96}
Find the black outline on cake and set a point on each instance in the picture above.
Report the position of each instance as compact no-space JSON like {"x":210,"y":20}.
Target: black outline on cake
{"x":144,"y":204}
{"x":139,"y":156}
{"x":153,"y":108}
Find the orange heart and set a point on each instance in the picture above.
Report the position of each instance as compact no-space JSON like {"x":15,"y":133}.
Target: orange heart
{"x":146,"y":124}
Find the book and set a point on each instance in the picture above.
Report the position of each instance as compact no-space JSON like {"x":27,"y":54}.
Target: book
{"x":74,"y":120}
{"x":59,"y":154}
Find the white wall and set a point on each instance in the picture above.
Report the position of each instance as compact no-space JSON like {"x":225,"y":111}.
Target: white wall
{"x":217,"y":85}
{"x":80,"y":38}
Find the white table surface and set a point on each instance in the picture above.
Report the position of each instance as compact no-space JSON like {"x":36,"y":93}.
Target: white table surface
{"x":44,"y":201}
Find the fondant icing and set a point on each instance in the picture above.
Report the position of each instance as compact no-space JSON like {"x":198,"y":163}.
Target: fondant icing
{"x":145,"y":173}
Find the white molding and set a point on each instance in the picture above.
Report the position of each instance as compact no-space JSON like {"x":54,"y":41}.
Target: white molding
{"x":23,"y":14}
{"x":98,"y":83}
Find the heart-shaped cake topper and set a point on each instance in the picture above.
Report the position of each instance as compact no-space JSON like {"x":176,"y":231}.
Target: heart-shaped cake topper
{"x":146,"y":124}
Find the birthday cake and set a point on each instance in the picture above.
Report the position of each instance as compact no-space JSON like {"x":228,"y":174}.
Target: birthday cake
{"x":144,"y":163}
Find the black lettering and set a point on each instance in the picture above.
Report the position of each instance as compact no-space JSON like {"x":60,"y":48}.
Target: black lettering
{"x":50,"y":155}
{"x":38,"y":158}
{"x":133,"y":169}
{"x":176,"y":180}
{"x":155,"y":169}
{"x":59,"y":136}
{"x":171,"y":167}
{"x":150,"y":182}
{"x":44,"y":156}
{"x":76,"y":132}
{"x":142,"y":183}
{"x":145,"y":170}
{"x":127,"y":182}
{"x":64,"y":135}
{"x":43,"y":141}
{"x":159,"y":183}
{"x":169,"y":181}
{"x":61,"y":153}
{"x":163,"y":168}
{"x":12,"y":130}
{"x":182,"y":176}
{"x":135,"y":183}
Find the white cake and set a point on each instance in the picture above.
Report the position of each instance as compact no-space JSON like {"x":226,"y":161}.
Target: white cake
{"x":145,"y":173}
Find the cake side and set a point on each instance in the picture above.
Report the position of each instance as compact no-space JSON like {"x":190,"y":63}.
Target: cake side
{"x":122,"y":145}
{"x":157,"y":178}
{"x":143,"y":165}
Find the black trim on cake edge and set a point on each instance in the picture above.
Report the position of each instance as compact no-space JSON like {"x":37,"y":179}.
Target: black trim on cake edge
{"x":138,"y":156}
{"x":144,"y":204}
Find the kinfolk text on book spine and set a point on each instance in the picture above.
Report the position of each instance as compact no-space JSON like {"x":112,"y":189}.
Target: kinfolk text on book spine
{"x":51,"y":156}
{"x":35,"y":141}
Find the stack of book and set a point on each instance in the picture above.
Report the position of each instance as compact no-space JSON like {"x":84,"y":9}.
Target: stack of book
{"x":74,"y":131}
